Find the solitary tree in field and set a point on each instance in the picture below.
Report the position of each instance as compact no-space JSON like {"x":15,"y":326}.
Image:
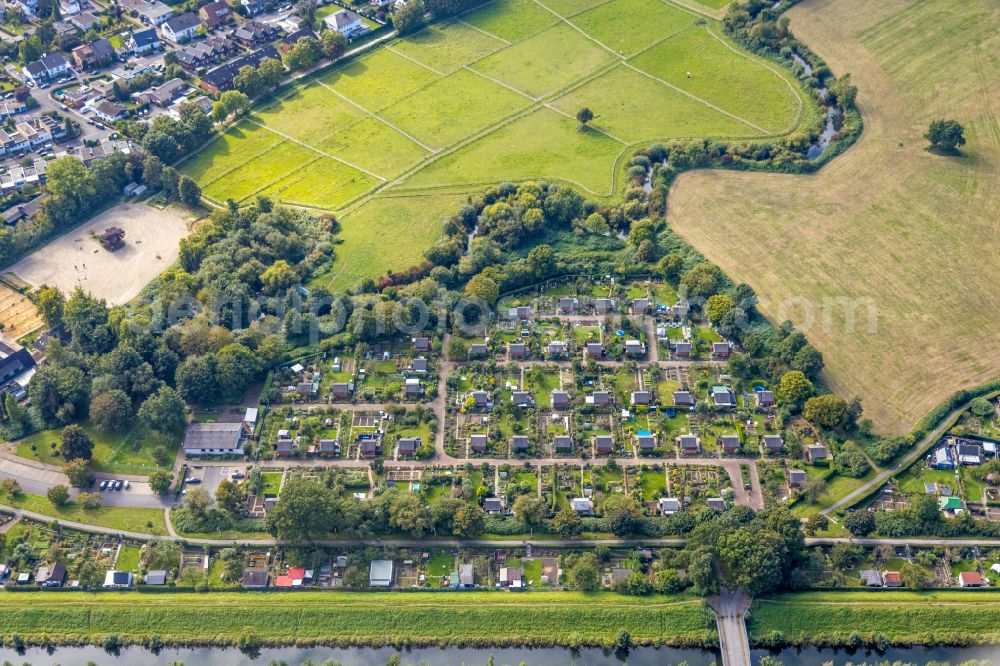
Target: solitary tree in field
{"x":584,"y":116}
{"x":945,"y":136}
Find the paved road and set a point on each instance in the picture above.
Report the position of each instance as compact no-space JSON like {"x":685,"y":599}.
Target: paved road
{"x":916,"y":452}
{"x":730,"y":608}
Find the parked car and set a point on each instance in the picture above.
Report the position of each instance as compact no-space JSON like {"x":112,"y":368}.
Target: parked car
{"x":104,"y":485}
{"x":118,"y":485}
{"x":194,"y":480}
{"x":126,"y":485}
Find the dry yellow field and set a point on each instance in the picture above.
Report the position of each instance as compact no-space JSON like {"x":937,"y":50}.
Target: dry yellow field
{"x":18,"y":314}
{"x":904,"y":239}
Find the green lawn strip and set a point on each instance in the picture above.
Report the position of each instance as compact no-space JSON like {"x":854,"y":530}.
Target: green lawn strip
{"x":230,"y":151}
{"x":512,"y":20}
{"x":546,"y":62}
{"x":569,"y":8}
{"x":902,"y":617}
{"x":360,"y":618}
{"x":621,"y":95}
{"x":521,"y":150}
{"x":376,"y":80}
{"x":128,"y":559}
{"x":374,"y":145}
{"x":129,"y":452}
{"x":323,"y":183}
{"x":120,"y":518}
{"x":629,"y":26}
{"x":712,"y":70}
{"x":386,"y":232}
{"x":260,"y":172}
{"x":308,"y":113}
{"x":447,"y":47}
{"x":454,"y":108}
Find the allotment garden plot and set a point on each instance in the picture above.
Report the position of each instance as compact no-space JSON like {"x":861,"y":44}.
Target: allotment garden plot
{"x":490,"y":96}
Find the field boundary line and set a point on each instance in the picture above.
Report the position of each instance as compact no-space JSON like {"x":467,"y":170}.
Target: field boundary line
{"x":379,"y":118}
{"x":248,"y":160}
{"x":285,"y":177}
{"x":415,"y":61}
{"x":693,"y":10}
{"x":315,"y":150}
{"x":698,"y":99}
{"x":580,"y":30}
{"x":488,"y":34}
{"x":505,"y":85}
{"x":774,"y":70}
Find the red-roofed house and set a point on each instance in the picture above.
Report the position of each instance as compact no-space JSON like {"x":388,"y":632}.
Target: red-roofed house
{"x":970,"y":579}
{"x":283,"y":581}
{"x":892,"y":579}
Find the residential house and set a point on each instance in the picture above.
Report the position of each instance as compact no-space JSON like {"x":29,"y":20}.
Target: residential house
{"x":689,"y":444}
{"x":796,"y":478}
{"x":221,"y":78}
{"x":971,"y":579}
{"x":17,"y":177}
{"x":764,"y":399}
{"x":668,"y":506}
{"x":816,"y":452}
{"x":723,"y":397}
{"x":253,"y":34}
{"x":328,"y":448}
{"x":181,"y":29}
{"x":215,"y":14}
{"x":14,"y":362}
{"x":254,"y":579}
{"x":941,"y":458}
{"x":562,"y":443}
{"x":493,"y":505}
{"x":204,"y":52}
{"x":640,"y":306}
{"x":85,"y":21}
{"x":730,"y":443}
{"x":721,"y":350}
{"x":716,"y":503}
{"x":556,"y":348}
{"x":774,"y":443}
{"x":568,"y":305}
{"x":118,"y":580}
{"x":151,"y":12}
{"x":892,"y":579}
{"x":370,"y":444}
{"x":560,"y":399}
{"x":408,"y":446}
{"x":477,"y":443}
{"x":167,"y":93}
{"x":634,"y":348}
{"x":478,"y":349}
{"x":142,"y":42}
{"x":50,"y":66}
{"x":380,"y":574}
{"x":519,"y":443}
{"x":412,"y":387}
{"x":603,"y":305}
{"x":51,"y":575}
{"x":69,"y":7}
{"x":599,"y":398}
{"x":595,"y":350}
{"x":643,"y":398}
{"x":96,"y":54}
{"x":480,"y":399}
{"x":214,"y":439}
{"x":418,"y":364}
{"x":422,"y":344}
{"x":511,"y":578}
{"x":683,"y":399}
{"x":19,"y":213}
{"x":253,"y":7}
{"x":682,"y":349}
{"x":522,"y":398}
{"x":969,"y":453}
{"x":583,"y":506}
{"x":645,"y":442}
{"x":604,"y":444}
{"x":66,"y":33}
{"x":156,"y":577}
{"x":110,"y":111}
{"x":871,"y":578}
{"x":346,"y":23}
{"x":521,"y":312}
{"x":517,"y":350}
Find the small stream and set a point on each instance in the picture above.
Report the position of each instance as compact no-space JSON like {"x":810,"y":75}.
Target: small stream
{"x":830,"y":130}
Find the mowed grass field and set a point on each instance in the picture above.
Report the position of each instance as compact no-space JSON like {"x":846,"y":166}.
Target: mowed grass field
{"x":887,"y":257}
{"x":490,"y":96}
{"x":925,"y":618}
{"x":357,"y":617}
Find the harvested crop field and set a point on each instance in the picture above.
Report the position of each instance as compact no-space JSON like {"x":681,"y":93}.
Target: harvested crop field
{"x":490,"y":96}
{"x":887,"y":257}
{"x":77,"y":259}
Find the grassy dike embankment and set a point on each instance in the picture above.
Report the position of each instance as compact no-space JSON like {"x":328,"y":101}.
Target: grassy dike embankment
{"x":353,"y":618}
{"x":942,"y":617}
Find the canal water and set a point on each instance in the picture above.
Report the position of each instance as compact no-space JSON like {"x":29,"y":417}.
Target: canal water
{"x":81,"y":656}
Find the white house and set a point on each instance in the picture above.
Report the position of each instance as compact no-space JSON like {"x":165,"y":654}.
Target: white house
{"x":46,"y":68}
{"x":346,"y":23}
{"x":181,"y":28}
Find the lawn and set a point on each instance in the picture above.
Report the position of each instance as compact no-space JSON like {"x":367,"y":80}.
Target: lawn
{"x":119,"y":518}
{"x":441,"y":564}
{"x":270,"y":483}
{"x":933,"y":213}
{"x":356,"y":617}
{"x":129,"y":452}
{"x":459,"y":105}
{"x":128,"y":559}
